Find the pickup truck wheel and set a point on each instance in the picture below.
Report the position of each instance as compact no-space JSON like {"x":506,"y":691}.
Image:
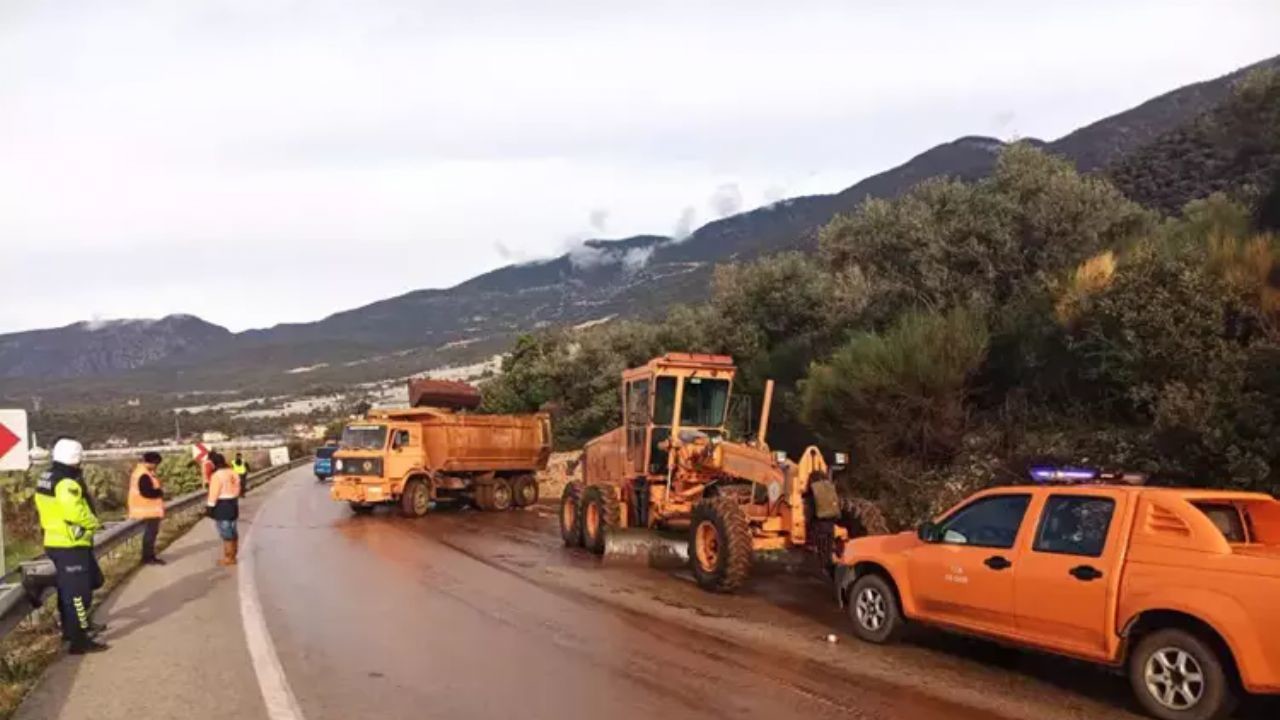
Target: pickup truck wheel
{"x":361,"y":508}
{"x":526,"y":491}
{"x":720,"y":544}
{"x":1178,"y":676}
{"x":873,"y":607}
{"x":571,"y":514}
{"x":600,"y":511}
{"x":416,"y":499}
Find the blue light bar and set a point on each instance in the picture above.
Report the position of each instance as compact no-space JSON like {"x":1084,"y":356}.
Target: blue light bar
{"x":1049,"y":474}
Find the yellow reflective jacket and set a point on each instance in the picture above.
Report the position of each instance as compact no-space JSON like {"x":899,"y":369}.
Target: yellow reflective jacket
{"x":65,"y":515}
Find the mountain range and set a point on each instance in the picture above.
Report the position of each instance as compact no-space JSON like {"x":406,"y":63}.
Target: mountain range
{"x":602,"y":279}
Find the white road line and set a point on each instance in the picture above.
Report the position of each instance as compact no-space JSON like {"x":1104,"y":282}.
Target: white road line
{"x":276,"y":693}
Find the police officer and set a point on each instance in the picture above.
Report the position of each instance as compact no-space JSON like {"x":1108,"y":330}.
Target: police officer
{"x":241,"y":469}
{"x":68,"y":522}
{"x":146,"y":503}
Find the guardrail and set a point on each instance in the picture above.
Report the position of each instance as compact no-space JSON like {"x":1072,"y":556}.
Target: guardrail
{"x":16,"y":603}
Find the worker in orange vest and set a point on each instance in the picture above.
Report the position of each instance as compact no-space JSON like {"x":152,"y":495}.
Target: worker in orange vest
{"x":146,"y":503}
{"x":223,"y":505}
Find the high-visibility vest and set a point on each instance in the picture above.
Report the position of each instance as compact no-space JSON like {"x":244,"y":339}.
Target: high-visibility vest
{"x":141,"y":508}
{"x":240,"y":468}
{"x":65,"y":515}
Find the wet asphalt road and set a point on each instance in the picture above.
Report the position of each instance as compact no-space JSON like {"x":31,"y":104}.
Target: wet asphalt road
{"x":475,"y":615}
{"x":385,"y":617}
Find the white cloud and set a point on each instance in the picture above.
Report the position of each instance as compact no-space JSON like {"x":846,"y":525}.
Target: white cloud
{"x":233,"y":159}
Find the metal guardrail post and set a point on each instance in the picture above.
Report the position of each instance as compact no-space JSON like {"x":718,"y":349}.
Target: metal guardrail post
{"x":16,"y":604}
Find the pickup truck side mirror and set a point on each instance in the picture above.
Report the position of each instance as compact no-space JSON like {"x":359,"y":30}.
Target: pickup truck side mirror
{"x":927,"y":532}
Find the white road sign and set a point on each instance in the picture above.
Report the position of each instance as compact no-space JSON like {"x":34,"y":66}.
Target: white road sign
{"x":15,"y":453}
{"x":279,"y":456}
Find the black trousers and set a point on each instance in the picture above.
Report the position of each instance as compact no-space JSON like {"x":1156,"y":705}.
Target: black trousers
{"x":78,"y":575}
{"x":150,"y":529}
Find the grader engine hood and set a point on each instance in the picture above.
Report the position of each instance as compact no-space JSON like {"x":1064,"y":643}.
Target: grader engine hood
{"x":703,"y":456}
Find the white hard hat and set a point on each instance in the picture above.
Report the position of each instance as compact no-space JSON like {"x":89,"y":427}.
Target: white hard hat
{"x":67,"y":451}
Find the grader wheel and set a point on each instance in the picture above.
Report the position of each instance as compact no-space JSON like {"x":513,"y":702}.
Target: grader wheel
{"x":600,"y":512}
{"x":571,"y":514}
{"x":720,"y":544}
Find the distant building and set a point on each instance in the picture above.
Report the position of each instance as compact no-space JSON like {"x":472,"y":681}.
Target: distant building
{"x":115,"y":441}
{"x":134,"y":402}
{"x":213,"y":437}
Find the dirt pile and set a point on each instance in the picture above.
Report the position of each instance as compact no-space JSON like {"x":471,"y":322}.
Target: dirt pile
{"x":561,"y":468}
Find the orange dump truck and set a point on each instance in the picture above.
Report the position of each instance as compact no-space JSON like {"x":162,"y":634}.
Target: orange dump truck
{"x":1179,"y":587}
{"x":418,"y":456}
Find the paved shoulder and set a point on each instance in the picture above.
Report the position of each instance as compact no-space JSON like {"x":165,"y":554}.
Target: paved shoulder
{"x":177,"y":645}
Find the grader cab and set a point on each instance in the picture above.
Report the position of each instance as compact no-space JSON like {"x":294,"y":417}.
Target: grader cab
{"x":672,"y":466}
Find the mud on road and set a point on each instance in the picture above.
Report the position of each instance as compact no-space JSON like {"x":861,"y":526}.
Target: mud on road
{"x":468,"y":614}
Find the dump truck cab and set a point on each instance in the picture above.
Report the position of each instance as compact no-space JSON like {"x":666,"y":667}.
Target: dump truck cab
{"x":418,"y":456}
{"x":672,"y":465}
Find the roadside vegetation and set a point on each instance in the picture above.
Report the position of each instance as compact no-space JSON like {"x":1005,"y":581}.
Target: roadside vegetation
{"x":108,"y":484}
{"x":956,"y":335}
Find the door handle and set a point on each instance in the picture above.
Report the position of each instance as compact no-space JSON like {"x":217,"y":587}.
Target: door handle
{"x":997,"y":562}
{"x":1085,"y":573}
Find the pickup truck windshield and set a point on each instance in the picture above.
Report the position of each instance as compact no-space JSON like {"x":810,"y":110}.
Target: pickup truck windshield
{"x":364,"y":437}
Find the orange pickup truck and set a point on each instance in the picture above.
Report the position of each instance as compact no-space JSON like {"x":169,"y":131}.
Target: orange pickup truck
{"x":1179,"y":587}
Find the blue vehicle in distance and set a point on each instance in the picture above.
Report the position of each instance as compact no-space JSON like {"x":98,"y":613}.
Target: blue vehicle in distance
{"x":323,"y":465}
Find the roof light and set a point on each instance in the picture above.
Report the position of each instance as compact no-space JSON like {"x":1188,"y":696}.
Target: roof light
{"x":1051,"y":474}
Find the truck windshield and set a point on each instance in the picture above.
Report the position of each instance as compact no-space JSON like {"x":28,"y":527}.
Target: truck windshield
{"x":703,"y":405}
{"x":363,"y":437}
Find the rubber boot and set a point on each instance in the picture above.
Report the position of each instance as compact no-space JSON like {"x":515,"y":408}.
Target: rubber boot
{"x":228,"y":553}
{"x":235,"y":551}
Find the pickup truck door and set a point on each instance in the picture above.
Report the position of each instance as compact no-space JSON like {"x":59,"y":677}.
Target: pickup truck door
{"x":965,"y":579}
{"x":1070,"y":571}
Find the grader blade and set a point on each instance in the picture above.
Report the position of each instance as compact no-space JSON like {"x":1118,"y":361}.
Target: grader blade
{"x":645,"y":547}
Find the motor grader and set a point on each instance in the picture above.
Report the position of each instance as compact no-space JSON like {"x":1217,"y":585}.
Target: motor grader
{"x":672,"y":466}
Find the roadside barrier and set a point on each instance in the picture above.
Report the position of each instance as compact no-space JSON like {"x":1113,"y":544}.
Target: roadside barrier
{"x":17,"y":601}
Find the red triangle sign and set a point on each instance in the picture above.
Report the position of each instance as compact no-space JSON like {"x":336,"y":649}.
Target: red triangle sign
{"x":7,"y":440}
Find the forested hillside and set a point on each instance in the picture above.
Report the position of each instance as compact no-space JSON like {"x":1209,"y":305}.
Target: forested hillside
{"x":955,"y":335}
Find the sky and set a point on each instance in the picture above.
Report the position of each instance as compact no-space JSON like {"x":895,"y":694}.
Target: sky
{"x":263,"y":161}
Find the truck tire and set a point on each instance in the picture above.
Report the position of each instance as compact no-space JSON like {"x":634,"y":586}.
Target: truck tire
{"x":361,"y":508}
{"x":873,"y":607}
{"x":571,"y":514}
{"x":482,"y":497}
{"x":525,"y":490}
{"x":1177,"y":675}
{"x":416,"y":498}
{"x":720,"y":544}
{"x":600,"y":512}
{"x":501,"y":496}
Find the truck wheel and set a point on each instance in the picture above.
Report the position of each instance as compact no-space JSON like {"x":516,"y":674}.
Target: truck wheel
{"x":873,"y":607}
{"x":526,"y":491}
{"x":1178,"y":676}
{"x":501,"y":496}
{"x":361,"y":508}
{"x":482,"y":498}
{"x":600,"y":511}
{"x":571,"y":514}
{"x":416,"y":499}
{"x":720,"y":544}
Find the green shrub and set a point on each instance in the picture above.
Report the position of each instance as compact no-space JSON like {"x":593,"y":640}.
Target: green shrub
{"x":901,"y":392}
